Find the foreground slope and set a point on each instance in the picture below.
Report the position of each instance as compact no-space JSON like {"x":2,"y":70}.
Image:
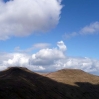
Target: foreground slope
{"x":20,"y":83}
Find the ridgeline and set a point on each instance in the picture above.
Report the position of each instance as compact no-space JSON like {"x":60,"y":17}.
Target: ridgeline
{"x":21,"y":83}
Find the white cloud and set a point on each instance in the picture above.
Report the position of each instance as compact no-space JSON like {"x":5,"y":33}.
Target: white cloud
{"x":91,"y":29}
{"x":24,"y":17}
{"x":49,"y":59}
{"x":69,"y":35}
{"x":41,"y":45}
{"x":85,"y":64}
{"x":17,"y":59}
{"x":47,"y":56}
{"x":61,"y":46}
{"x":35,"y":46}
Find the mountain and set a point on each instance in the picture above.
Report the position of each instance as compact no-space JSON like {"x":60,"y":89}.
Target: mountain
{"x":21,"y":83}
{"x":71,"y":76}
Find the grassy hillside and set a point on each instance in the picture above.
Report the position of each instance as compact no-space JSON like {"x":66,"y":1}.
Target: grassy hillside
{"x":20,"y":83}
{"x":71,"y":76}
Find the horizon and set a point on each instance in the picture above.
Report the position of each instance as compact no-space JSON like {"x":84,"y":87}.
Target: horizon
{"x":14,"y":68}
{"x":49,"y":35}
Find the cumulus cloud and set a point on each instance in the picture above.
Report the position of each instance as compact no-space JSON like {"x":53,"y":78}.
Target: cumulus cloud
{"x":61,"y":46}
{"x":84,"y":63}
{"x":17,"y":59}
{"x":24,"y":17}
{"x":49,"y":59}
{"x":47,"y":56}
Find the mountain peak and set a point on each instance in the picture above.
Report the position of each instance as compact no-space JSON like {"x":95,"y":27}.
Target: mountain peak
{"x":62,"y":84}
{"x":17,"y":69}
{"x":14,"y":71}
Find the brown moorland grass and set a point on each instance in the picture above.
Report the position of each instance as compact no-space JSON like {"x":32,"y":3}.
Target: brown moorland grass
{"x":71,"y":76}
{"x":21,"y":83}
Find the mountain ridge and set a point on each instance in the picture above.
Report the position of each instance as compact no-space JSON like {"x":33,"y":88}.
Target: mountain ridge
{"x":21,"y":83}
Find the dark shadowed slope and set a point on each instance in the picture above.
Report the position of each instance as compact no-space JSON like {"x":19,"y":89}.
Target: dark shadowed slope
{"x":20,"y":83}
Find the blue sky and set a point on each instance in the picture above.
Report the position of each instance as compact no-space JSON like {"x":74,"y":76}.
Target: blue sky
{"x":74,"y":25}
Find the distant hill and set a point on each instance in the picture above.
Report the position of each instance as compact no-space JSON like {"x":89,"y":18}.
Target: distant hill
{"x":71,"y":76}
{"x":21,"y":83}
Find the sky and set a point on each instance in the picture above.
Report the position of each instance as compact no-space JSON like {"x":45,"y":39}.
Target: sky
{"x":49,"y":35}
